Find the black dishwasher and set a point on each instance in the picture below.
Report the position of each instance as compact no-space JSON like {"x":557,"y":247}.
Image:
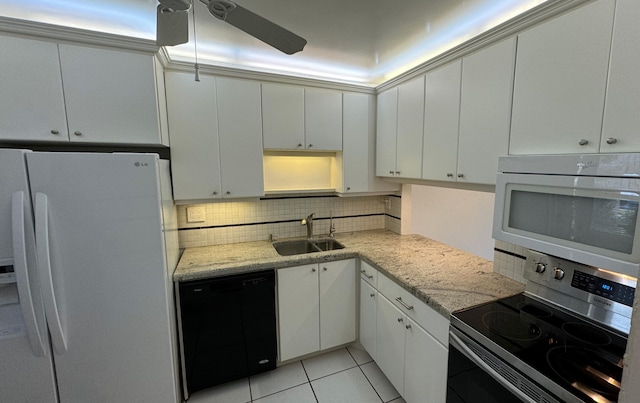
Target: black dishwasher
{"x":228,"y":328}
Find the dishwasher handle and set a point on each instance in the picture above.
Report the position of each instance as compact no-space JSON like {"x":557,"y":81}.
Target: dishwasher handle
{"x":454,"y":341}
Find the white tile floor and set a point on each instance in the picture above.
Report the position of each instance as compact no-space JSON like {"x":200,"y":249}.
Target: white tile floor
{"x":345,"y":375}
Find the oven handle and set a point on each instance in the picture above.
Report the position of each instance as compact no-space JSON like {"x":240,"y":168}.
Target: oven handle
{"x":460,"y":345}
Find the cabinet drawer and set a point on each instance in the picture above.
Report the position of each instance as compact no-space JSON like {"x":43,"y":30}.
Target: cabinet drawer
{"x":368,"y":273}
{"x":427,"y":317}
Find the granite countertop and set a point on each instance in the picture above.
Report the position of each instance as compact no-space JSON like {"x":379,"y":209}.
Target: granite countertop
{"x":445,"y":278}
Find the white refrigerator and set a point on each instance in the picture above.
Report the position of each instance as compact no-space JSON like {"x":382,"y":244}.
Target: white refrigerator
{"x":88,"y":245}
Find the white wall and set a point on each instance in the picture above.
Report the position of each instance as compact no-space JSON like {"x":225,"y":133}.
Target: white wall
{"x":460,"y":218}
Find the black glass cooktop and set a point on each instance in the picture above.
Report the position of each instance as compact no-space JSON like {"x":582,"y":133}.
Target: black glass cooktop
{"x":583,"y":358}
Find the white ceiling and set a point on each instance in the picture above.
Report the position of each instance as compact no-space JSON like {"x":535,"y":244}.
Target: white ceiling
{"x":364,"y":42}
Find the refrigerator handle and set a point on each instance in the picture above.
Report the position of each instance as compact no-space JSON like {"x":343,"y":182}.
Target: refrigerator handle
{"x":44,"y":268}
{"x":34,"y":333}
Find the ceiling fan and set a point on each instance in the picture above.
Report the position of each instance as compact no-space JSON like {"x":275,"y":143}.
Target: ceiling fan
{"x":173,"y":24}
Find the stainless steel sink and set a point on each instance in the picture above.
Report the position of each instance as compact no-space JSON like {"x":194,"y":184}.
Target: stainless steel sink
{"x":299,"y":247}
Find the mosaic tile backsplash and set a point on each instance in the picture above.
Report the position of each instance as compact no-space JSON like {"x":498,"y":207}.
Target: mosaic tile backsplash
{"x":509,"y":260}
{"x":245,"y":221}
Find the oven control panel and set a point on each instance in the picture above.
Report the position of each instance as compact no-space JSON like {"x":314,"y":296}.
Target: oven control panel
{"x":601,"y":294}
{"x":603,"y":287}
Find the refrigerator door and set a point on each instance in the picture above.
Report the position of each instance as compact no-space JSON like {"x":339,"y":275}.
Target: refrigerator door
{"x":105,"y":284}
{"x":26,"y":373}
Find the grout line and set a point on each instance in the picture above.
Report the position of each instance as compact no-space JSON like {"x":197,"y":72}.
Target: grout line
{"x":309,"y":382}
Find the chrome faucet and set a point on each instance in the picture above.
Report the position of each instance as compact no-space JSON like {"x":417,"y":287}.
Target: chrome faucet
{"x":309,"y":223}
{"x":332,"y":228}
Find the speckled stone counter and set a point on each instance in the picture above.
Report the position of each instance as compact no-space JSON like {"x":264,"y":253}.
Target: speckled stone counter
{"x":445,"y":278}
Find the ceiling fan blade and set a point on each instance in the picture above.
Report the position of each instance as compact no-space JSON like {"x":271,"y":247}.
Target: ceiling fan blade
{"x":172,"y":26}
{"x":256,"y":26}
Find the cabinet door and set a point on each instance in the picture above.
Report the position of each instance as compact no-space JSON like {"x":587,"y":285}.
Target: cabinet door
{"x":31,"y":99}
{"x":323,"y":119}
{"x":355,"y":146}
{"x":240,"y":130}
{"x":425,"y":366}
{"x":193,"y":129}
{"x":110,"y":96}
{"x":283,"y":116}
{"x":368,"y":297}
{"x":621,"y":117}
{"x":441,"y":118}
{"x":298,"y":311}
{"x":561,"y":74}
{"x":337,"y":303}
{"x":387,"y":120}
{"x":390,"y":331}
{"x":410,"y":127}
{"x":485,"y":111}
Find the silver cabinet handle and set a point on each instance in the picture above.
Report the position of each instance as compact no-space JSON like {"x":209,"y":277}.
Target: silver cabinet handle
{"x":400,"y":320}
{"x":77,"y":133}
{"x":366,"y":275}
{"x":583,"y":142}
{"x":612,"y":140}
{"x":404,"y":304}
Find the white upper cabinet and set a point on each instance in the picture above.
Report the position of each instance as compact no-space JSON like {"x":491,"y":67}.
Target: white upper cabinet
{"x":399,"y":130}
{"x":323,"y":119}
{"x":387,"y":127}
{"x":52,"y":92}
{"x":441,"y":117}
{"x":358,"y":149}
{"x":621,"y":126}
{"x":216,"y":142}
{"x":240,"y":130}
{"x":299,"y":118}
{"x":283,"y":116}
{"x":111,"y":96}
{"x":193,"y":127}
{"x":485,"y":111}
{"x":561,"y":75}
{"x":31,"y":97}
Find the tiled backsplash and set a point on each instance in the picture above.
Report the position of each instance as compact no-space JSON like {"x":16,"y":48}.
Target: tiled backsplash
{"x":509,"y":260}
{"x":244,"y":221}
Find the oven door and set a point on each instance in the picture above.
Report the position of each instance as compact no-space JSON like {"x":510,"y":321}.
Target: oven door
{"x":591,"y":220}
{"x":476,"y":375}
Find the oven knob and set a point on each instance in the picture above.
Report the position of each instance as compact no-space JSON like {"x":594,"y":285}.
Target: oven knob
{"x":559,"y":273}
{"x":540,"y":267}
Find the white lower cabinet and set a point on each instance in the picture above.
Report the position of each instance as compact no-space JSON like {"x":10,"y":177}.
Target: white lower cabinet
{"x":316,"y":307}
{"x":406,"y":338}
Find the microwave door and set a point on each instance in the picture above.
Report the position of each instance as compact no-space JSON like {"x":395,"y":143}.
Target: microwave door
{"x":586,"y":219}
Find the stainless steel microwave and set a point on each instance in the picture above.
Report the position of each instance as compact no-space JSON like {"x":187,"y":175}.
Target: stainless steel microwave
{"x":581,"y":207}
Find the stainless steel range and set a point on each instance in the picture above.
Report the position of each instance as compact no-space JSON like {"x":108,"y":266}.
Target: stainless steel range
{"x":562,"y":340}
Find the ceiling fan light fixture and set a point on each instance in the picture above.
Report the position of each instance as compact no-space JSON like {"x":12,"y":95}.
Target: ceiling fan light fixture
{"x":176,"y":5}
{"x":221,"y":8}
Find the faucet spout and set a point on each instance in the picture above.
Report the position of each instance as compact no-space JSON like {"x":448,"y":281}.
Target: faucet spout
{"x":309,"y":223}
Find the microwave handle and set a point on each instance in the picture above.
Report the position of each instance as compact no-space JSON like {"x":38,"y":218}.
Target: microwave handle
{"x":460,"y":345}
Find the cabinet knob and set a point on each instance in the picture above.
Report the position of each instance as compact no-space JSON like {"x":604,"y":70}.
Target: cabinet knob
{"x":324,"y":269}
{"x":583,"y":142}
{"x":460,"y":175}
{"x":215,"y":193}
{"x":299,"y":144}
{"x":310,"y":145}
{"x":408,"y":326}
{"x":55,"y":132}
{"x":348,"y":188}
{"x":391,"y":172}
{"x":372,"y":295}
{"x":449,"y":175}
{"x":612,"y":140}
{"x":397,"y":172}
{"x":400,"y":320}
{"x":228,"y":192}
{"x":77,"y":133}
{"x":313,"y":270}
